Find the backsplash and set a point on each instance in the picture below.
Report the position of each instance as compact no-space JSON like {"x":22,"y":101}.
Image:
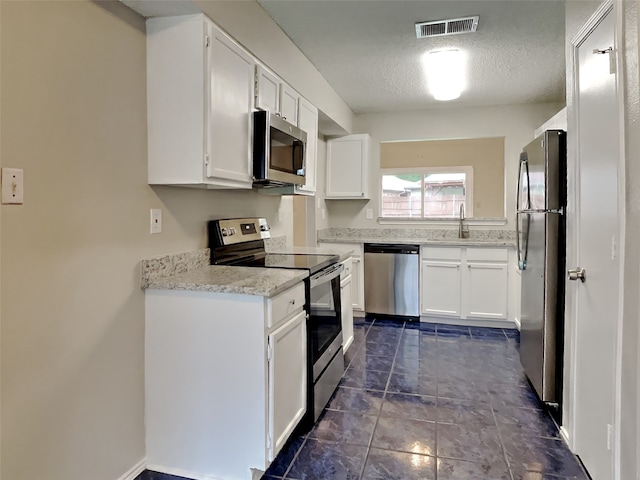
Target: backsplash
{"x":275,"y":243}
{"x":417,"y":233}
{"x":165,"y":265}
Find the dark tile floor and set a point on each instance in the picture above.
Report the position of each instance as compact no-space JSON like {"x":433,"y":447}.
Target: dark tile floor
{"x":426,"y":401}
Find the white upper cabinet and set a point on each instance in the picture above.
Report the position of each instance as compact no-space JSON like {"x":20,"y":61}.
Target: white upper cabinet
{"x":289,"y":99}
{"x":267,"y":90}
{"x":276,"y":96}
{"x":347,"y":167}
{"x":200,"y":91}
{"x":308,"y":121}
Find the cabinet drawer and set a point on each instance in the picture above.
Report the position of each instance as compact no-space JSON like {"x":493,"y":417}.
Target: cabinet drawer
{"x":348,"y":268}
{"x":284,"y":304}
{"x":441,"y":253}
{"x":487,"y":254}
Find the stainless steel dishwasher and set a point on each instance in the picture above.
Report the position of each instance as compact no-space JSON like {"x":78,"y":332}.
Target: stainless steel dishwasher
{"x":391,"y":279}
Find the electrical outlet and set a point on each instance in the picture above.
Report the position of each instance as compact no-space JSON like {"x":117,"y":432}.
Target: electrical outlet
{"x":156,"y":220}
{"x":324,"y":213}
{"x":12,"y":186}
{"x":369,"y":212}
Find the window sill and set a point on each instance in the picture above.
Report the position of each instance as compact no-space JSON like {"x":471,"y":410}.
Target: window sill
{"x":441,"y":221}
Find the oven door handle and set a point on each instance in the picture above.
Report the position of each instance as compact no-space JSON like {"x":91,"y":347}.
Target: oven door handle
{"x":326,"y":275}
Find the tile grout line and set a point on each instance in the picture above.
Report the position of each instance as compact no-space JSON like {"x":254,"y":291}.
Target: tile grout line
{"x":384,"y":396}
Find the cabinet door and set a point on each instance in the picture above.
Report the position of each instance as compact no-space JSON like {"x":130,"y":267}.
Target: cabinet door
{"x":268,"y":90}
{"x":287,"y":367}
{"x":485,"y":290}
{"x":289,"y":104}
{"x":308,"y":121}
{"x":347,"y":167}
{"x":231,"y":90}
{"x":347,"y":313}
{"x":441,"y":288}
{"x":357,"y":285}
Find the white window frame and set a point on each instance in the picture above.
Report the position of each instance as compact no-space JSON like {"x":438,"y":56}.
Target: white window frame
{"x":467,"y":170}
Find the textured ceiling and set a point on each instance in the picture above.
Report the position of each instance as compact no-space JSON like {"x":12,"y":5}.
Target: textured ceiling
{"x":368,"y":51}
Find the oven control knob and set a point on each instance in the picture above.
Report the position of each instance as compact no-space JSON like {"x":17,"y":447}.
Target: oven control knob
{"x":232,"y":230}
{"x":264,"y":227}
{"x":224,"y":232}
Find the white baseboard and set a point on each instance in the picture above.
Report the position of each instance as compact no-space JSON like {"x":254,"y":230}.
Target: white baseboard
{"x":516,"y":320}
{"x":565,"y":435}
{"x":359,"y":313}
{"x":181,"y":473}
{"x":134,"y":471}
{"x":465,"y":322}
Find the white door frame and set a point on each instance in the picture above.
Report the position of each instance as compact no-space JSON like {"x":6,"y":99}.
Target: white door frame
{"x":569,"y":413}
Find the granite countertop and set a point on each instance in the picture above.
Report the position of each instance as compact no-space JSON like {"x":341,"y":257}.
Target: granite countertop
{"x":191,"y":271}
{"x":265,"y":282}
{"x":450,"y":242}
{"x":420,"y":236}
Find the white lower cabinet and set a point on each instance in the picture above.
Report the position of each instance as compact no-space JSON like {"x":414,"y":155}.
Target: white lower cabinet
{"x":357,"y":283}
{"x":287,"y":381}
{"x":225,"y":380}
{"x":346,"y":304}
{"x":486,"y":290}
{"x":441,"y":288}
{"x":464,"y":282}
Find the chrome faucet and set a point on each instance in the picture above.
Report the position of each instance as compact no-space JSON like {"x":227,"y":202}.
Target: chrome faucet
{"x":462,"y":232}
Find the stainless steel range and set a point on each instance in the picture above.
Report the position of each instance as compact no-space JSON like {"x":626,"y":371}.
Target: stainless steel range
{"x":240,"y":242}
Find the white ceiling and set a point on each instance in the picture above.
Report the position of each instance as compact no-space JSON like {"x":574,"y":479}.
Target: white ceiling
{"x":368,"y":51}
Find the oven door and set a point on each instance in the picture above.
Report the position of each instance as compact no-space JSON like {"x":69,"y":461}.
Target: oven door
{"x":324,"y":324}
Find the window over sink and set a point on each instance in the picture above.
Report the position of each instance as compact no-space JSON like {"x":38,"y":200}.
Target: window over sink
{"x":422,"y":180}
{"x":423,"y":193}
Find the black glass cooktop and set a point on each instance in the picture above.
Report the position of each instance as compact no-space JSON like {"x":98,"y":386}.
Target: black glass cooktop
{"x":313,"y":263}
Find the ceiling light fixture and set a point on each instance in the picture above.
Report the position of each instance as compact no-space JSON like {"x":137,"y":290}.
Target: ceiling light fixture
{"x":445,"y":73}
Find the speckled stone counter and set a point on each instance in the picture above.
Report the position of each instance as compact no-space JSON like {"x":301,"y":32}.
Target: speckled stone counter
{"x":191,"y":271}
{"x":419,"y":236}
{"x":265,"y":282}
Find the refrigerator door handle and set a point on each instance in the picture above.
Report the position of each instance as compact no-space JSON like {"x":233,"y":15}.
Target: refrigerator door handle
{"x":522,"y":247}
{"x":518,"y":241}
{"x":524,"y":164}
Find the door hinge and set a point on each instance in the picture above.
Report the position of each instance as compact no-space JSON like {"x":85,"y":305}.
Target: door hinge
{"x":206,"y":159}
{"x":207,"y":41}
{"x":268,"y":442}
{"x":269,"y":351}
{"x":609,"y":436}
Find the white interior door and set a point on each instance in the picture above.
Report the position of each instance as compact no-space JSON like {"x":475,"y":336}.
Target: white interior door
{"x":597,"y":218}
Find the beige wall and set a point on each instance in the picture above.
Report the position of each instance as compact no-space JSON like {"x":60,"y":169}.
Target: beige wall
{"x":516,"y":123}
{"x":73,"y":117}
{"x":484,"y":155}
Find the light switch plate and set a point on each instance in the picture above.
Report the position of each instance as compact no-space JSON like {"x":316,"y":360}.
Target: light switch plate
{"x":156,"y":220}
{"x":369,"y":212}
{"x":12,"y":186}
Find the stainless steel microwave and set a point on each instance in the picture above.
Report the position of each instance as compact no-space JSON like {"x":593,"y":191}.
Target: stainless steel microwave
{"x":278,"y":151}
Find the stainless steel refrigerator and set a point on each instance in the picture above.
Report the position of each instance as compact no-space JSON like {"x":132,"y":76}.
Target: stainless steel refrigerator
{"x":541,"y":243}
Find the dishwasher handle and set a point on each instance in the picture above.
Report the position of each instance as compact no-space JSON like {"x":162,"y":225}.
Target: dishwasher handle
{"x":391,"y":248}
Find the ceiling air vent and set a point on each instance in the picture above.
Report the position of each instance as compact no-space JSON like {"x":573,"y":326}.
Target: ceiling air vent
{"x":447,"y":27}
